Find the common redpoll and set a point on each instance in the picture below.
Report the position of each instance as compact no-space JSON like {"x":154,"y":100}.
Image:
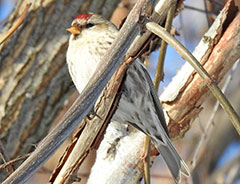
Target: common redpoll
{"x":139,"y":105}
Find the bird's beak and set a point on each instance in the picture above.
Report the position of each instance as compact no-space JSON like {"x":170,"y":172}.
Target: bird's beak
{"x":75,"y":30}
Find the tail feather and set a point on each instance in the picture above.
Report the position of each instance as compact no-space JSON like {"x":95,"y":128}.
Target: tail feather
{"x":175,"y":163}
{"x":184,"y":168}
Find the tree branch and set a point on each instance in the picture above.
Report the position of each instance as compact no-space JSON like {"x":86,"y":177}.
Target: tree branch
{"x":86,"y":100}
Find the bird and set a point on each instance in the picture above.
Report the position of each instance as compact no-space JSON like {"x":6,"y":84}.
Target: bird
{"x":139,"y":106}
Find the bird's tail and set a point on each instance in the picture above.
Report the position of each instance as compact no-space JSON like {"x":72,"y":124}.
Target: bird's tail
{"x":175,"y":163}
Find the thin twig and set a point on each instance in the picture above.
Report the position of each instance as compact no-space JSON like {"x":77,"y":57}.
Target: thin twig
{"x":18,"y":23}
{"x":158,"y":77}
{"x":210,"y":125}
{"x":11,"y":162}
{"x":5,"y":158}
{"x":199,"y":10}
{"x":162,"y":33}
{"x":159,"y":70}
{"x":206,"y":13}
{"x":181,"y":28}
{"x":146,"y":162}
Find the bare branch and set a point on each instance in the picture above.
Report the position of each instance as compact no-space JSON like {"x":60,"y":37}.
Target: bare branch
{"x":184,"y":95}
{"x":11,"y":162}
{"x":85,"y":102}
{"x":208,"y":129}
{"x":129,"y":156}
{"x":233,"y":116}
{"x":18,"y":23}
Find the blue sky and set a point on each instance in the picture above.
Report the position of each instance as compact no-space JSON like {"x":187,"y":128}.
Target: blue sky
{"x":5,"y":8}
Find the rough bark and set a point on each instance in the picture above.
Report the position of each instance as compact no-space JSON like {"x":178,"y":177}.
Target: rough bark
{"x":191,"y":96}
{"x":34,"y":81}
{"x":217,"y":52}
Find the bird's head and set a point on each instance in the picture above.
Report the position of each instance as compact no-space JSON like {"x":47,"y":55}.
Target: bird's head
{"x":90,"y":23}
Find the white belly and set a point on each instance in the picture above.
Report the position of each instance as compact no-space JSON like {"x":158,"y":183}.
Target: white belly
{"x":82,"y":70}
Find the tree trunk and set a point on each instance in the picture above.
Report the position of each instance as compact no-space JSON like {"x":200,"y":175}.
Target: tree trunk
{"x":34,"y":81}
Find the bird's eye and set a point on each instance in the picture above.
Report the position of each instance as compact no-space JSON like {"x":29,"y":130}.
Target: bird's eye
{"x":89,"y":25}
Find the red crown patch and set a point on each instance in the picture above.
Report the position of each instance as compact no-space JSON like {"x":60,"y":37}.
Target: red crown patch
{"x":83,"y":16}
